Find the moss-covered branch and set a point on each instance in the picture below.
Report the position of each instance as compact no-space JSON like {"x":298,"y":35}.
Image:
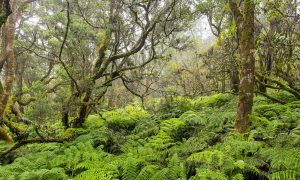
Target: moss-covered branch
{"x":270,"y":97}
{"x":31,"y":141}
{"x":279,"y":84}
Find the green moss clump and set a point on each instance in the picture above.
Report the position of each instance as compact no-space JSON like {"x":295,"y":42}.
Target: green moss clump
{"x":125,"y":119}
{"x":94,"y":122}
{"x":217,"y":100}
{"x":74,"y":132}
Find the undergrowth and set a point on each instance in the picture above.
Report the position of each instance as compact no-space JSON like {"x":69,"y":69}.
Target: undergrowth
{"x":180,"y":139}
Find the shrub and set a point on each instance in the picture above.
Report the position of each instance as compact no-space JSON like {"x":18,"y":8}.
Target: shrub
{"x":94,"y":122}
{"x":173,"y":107}
{"x":270,"y":111}
{"x":217,"y":100}
{"x":124,"y":119}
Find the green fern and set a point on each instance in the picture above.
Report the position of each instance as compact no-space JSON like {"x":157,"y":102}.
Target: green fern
{"x":131,"y":168}
{"x":192,"y":118}
{"x":285,"y":162}
{"x":204,"y":174}
{"x":161,"y":175}
{"x":238,"y":177}
{"x":52,"y":174}
{"x":97,"y":174}
{"x":147,"y":172}
{"x":214,"y":157}
{"x":284,"y":175}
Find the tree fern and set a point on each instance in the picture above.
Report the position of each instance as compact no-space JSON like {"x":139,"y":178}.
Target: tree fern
{"x":208,"y":157}
{"x":284,"y":175}
{"x":74,"y":155}
{"x":161,"y":175}
{"x":160,"y":141}
{"x":97,"y":174}
{"x":147,"y":172}
{"x":237,"y":177}
{"x":176,"y":168}
{"x":285,"y":162}
{"x":193,"y":118}
{"x":131,"y":168}
{"x":52,"y":174}
{"x":204,"y":174}
{"x":172,"y":126}
{"x":191,"y":145}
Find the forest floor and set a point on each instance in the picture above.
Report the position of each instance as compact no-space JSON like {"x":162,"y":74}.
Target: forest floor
{"x":174,"y":138}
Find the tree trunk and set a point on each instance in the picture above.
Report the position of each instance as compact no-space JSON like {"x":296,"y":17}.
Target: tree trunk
{"x":65,"y":116}
{"x":83,"y":110}
{"x":245,"y":27}
{"x":235,"y":81}
{"x":8,"y":36}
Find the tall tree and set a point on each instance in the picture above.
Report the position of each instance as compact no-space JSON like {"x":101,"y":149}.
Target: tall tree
{"x":5,"y":11}
{"x":245,"y":28}
{"x":11,"y":10}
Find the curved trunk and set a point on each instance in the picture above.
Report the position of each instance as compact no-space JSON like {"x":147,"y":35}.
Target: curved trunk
{"x":8,"y":36}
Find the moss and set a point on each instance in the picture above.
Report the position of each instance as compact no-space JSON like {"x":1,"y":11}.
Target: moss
{"x":125,"y":119}
{"x":217,"y":100}
{"x":94,"y":122}
{"x":74,"y":132}
{"x":294,"y":104}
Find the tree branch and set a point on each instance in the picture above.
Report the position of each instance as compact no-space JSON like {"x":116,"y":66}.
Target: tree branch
{"x":31,"y":141}
{"x":62,"y":47}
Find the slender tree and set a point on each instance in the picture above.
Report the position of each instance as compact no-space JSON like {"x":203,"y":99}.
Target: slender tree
{"x":245,"y":28}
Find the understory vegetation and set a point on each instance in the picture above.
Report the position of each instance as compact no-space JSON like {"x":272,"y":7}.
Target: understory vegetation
{"x":172,"y":138}
{"x":150,"y":89}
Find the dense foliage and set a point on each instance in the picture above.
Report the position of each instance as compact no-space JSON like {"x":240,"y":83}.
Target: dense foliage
{"x":174,"y":138}
{"x":150,"y":89}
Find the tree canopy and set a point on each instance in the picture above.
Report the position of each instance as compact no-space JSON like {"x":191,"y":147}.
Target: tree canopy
{"x":147,"y":89}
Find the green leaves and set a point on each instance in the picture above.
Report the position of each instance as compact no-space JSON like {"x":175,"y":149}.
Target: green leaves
{"x":129,"y":143}
{"x":125,"y":119}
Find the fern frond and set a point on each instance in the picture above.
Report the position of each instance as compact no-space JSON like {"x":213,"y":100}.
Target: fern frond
{"x":208,"y":157}
{"x":284,"y":175}
{"x":203,"y":174}
{"x":131,"y":168}
{"x":147,"y":172}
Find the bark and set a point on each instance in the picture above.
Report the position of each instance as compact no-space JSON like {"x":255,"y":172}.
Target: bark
{"x":223,"y":79}
{"x":6,"y":136}
{"x":279,"y":85}
{"x":100,"y":67}
{"x":235,"y":79}
{"x":103,"y":62}
{"x":65,"y":116}
{"x":234,"y":70}
{"x":5,"y":11}
{"x":266,"y":62}
{"x":20,"y":69}
{"x":245,"y":27}
{"x":8,"y":37}
{"x":82,"y":114}
{"x":262,"y":88}
{"x":111,"y":99}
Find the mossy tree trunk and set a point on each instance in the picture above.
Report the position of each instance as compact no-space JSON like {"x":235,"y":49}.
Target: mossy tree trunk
{"x":245,"y":28}
{"x":8,"y":34}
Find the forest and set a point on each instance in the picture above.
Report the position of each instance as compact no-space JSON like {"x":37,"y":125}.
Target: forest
{"x":150,"y":89}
